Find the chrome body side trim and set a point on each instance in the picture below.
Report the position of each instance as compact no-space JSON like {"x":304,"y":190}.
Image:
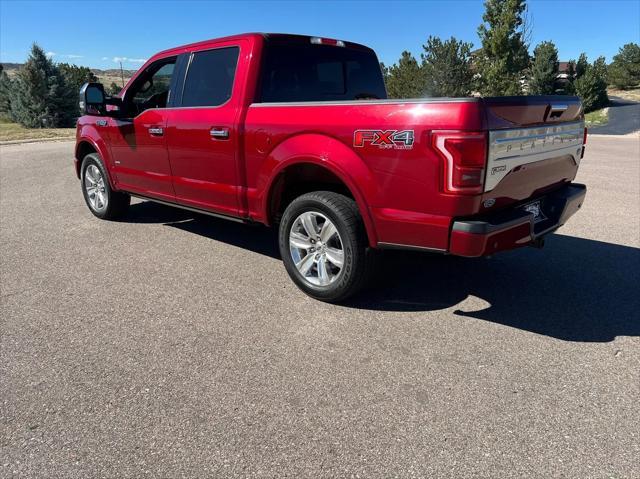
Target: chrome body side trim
{"x":384,"y":245}
{"x":366,"y":102}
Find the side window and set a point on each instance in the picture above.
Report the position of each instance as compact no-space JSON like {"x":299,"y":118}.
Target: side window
{"x":151,"y":89}
{"x":210,"y":77}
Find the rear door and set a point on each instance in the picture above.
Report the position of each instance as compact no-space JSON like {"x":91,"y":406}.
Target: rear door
{"x":202,"y":131}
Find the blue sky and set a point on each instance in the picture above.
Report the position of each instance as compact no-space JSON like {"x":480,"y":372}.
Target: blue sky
{"x":97,"y":34}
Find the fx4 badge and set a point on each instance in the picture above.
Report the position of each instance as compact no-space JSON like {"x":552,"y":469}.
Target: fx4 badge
{"x":385,"y":139}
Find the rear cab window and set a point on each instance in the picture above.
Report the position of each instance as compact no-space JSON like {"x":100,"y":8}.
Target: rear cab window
{"x":296,"y":70}
{"x":210,"y":76}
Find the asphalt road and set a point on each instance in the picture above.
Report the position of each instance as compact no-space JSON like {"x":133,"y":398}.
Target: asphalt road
{"x":173,"y":345}
{"x":624,"y":118}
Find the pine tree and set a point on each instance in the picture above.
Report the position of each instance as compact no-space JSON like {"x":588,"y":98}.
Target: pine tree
{"x":405,"y":79}
{"x":504,"y":56}
{"x":40,"y":96}
{"x":582,"y":65}
{"x":544,"y":69}
{"x":624,"y":71}
{"x":601,"y":73}
{"x":75,"y":77}
{"x":114,"y":88}
{"x":591,"y":86}
{"x":447,"y":67}
{"x":5,"y":93}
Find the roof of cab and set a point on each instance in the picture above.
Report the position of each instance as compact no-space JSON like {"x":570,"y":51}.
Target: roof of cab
{"x":213,"y":41}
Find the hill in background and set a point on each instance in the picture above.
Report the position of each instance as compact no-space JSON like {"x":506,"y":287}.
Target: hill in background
{"x":106,"y":77}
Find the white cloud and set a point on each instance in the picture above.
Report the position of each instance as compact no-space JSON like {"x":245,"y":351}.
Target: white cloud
{"x":105,"y":58}
{"x":71,"y":56}
{"x":128,"y":60}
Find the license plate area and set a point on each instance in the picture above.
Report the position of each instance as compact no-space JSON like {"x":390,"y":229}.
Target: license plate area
{"x":535,"y":208}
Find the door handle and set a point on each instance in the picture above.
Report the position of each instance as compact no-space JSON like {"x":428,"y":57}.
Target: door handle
{"x":156,"y":131}
{"x":219,"y":132}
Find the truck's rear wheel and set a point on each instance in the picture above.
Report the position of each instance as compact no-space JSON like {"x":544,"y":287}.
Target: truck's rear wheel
{"x":324,"y":246}
{"x":100,"y":198}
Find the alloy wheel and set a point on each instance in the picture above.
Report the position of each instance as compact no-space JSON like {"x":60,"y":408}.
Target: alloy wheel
{"x":95,"y":187}
{"x":316,"y":248}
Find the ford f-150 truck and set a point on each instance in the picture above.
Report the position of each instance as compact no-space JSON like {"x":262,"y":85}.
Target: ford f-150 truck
{"x":298,"y":132}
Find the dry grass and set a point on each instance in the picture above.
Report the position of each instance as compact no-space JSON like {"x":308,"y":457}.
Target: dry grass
{"x":632,"y":95}
{"x":597,"y":117}
{"x":107,"y":79}
{"x":14,"y":132}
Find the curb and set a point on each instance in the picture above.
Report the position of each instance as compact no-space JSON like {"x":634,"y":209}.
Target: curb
{"x":36,"y":140}
{"x":632,"y":135}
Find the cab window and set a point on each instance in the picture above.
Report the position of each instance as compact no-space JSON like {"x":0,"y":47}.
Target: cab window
{"x":210,"y":77}
{"x":299,"y":71}
{"x":151,"y":89}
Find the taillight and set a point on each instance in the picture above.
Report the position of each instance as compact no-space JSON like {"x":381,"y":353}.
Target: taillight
{"x":465,"y":158}
{"x":584,"y":142}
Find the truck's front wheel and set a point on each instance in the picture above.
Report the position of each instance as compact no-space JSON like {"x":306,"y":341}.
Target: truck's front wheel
{"x":324,"y":246}
{"x":103,"y":202}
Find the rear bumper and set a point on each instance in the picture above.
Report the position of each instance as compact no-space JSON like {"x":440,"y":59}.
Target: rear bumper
{"x":481,"y":236}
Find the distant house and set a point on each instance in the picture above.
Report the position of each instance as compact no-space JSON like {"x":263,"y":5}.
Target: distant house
{"x":563,"y":70}
{"x":562,"y":77}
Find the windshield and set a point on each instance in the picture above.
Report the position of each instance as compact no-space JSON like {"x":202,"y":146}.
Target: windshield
{"x":302,"y":71}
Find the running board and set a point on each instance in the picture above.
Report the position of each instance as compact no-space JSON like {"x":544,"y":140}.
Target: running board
{"x":192,"y":209}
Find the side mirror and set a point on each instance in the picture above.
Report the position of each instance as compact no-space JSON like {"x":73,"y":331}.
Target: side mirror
{"x":92,"y":99}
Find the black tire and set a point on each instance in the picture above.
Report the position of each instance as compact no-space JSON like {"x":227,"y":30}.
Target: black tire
{"x":357,"y":258}
{"x":117,"y":202}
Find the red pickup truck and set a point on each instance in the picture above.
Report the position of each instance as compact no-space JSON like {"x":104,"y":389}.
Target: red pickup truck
{"x":297,"y":131}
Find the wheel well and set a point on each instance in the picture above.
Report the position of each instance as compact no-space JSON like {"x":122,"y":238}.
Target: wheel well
{"x":82,"y":150}
{"x":297,"y":180}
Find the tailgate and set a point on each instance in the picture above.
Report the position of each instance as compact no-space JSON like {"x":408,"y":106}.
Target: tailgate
{"x":535,"y":144}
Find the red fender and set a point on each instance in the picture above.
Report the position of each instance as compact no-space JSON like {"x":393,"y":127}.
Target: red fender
{"x":329,"y":153}
{"x":88,"y":134}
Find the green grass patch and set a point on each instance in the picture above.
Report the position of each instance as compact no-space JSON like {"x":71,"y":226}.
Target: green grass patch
{"x":13,"y":132}
{"x":597,"y":117}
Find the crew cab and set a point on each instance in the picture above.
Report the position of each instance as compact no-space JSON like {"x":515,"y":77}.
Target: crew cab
{"x":297,"y":131}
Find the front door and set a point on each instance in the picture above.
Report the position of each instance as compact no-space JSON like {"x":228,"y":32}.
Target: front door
{"x":202,"y":132}
{"x":138,"y":141}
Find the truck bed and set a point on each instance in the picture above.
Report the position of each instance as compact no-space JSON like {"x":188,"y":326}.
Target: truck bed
{"x":534,"y":146}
